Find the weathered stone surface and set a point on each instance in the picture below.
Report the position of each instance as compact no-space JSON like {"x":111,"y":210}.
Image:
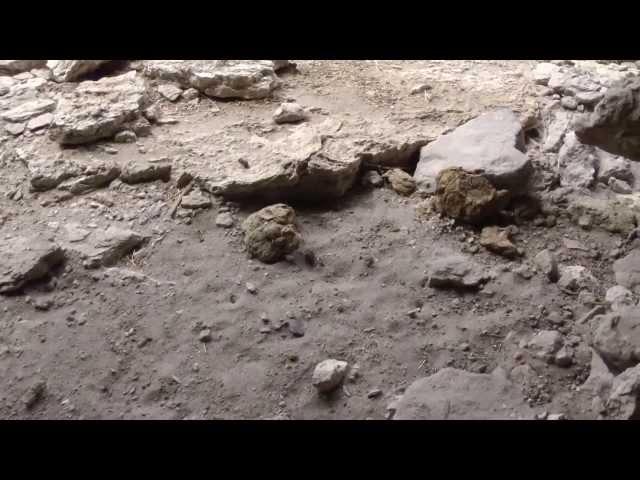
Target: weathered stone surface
{"x":15,"y":129}
{"x":577,"y":163}
{"x":289,"y":112}
{"x":97,"y":175}
{"x":547,"y":264}
{"x":467,"y":197}
{"x":242,"y":79}
{"x":498,"y":240}
{"x":125,"y":136}
{"x":196,"y":199}
{"x":28,"y":110}
{"x":144,"y":171}
{"x":47,"y":173}
{"x":612,"y":166}
{"x":627,"y":271}
{"x":12,"y":67}
{"x":614,"y":125}
{"x":170,"y":92}
{"x":41,"y":121}
{"x":329,"y":374}
{"x":401,"y":182}
{"x":624,"y":398}
{"x":492,"y":143}
{"x":224,"y":220}
{"x":106,"y":247}
{"x":25,"y":259}
{"x":616,"y":215}
{"x":98,"y":109}
{"x":556,"y":122}
{"x":457,"y":271}
{"x":576,"y":277}
{"x":5,"y":85}
{"x":619,"y":297}
{"x":371,"y":178}
{"x":619,"y":186}
{"x":543,"y":71}
{"x":72,"y":70}
{"x":546,"y":343}
{"x":271,"y":233}
{"x":617,"y":338}
{"x":453,"y":394}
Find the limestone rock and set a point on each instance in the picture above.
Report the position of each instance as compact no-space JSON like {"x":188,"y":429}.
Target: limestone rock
{"x":329,"y":374}
{"x":144,"y":171}
{"x":617,"y":338}
{"x":72,"y":70}
{"x":543,"y":71}
{"x":12,"y":67}
{"x":195,"y":200}
{"x":104,"y":248}
{"x":271,"y":233}
{"x":401,"y":182}
{"x":28,"y":110}
{"x":170,"y":92}
{"x":498,"y":240}
{"x":98,"y":109}
{"x":457,"y":271}
{"x":453,"y":394}
{"x":467,"y":197}
{"x":492,"y":143}
{"x":25,"y":259}
{"x":576,"y":278}
{"x":289,"y":112}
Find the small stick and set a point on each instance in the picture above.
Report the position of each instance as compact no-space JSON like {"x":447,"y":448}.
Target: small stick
{"x":177,"y":203}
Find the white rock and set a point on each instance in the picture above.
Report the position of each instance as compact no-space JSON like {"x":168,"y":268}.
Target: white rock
{"x":543,"y":71}
{"x":619,"y":297}
{"x":72,"y":70}
{"x":329,"y":374}
{"x":289,"y":112}
{"x":575,"y":278}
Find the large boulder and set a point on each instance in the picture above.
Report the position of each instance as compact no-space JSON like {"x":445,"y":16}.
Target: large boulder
{"x":25,"y":259}
{"x":97,"y":110}
{"x":492,"y":143}
{"x":617,"y":338}
{"x":72,"y":70}
{"x":614,"y":125}
{"x":453,"y":394}
{"x":271,"y":233}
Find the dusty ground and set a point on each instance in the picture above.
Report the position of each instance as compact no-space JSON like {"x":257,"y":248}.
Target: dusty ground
{"x":118,"y":348}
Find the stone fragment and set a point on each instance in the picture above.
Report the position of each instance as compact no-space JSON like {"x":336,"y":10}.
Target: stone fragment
{"x":270,"y":234}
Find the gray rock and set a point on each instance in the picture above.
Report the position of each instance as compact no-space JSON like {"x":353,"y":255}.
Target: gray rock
{"x":170,"y":92}
{"x":12,"y":67}
{"x":492,"y":143}
{"x":93,"y":177}
{"x":47,"y":173}
{"x":28,"y":110}
{"x":612,"y":166}
{"x":563,"y":357}
{"x":453,"y":394}
{"x":329,"y":374}
{"x":627,"y":271}
{"x":577,"y":163}
{"x":556,"y":122}
{"x":547,"y":264}
{"x":39,"y":122}
{"x":614,"y":214}
{"x":103,"y":248}
{"x":25,"y":259}
{"x":289,"y":112}
{"x":617,"y":338}
{"x":589,"y":98}
{"x":624,"y":398}
{"x":72,"y":70}
{"x":125,"y":136}
{"x":15,"y":129}
{"x":576,"y":278}
{"x":619,"y":186}
{"x":224,"y":220}
{"x":371,"y":178}
{"x":190,"y":94}
{"x":619,"y":297}
{"x":614,"y":125}
{"x":543,"y":71}
{"x":270,"y":234}
{"x":143,"y":171}
{"x":457,"y":271}
{"x":546,"y":343}
{"x":98,"y":109}
{"x":570,"y":103}
{"x":196,"y":199}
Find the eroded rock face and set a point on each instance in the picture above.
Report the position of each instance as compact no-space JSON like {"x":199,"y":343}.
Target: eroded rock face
{"x":99,"y":109}
{"x":614,"y":125}
{"x":25,"y":260}
{"x":240,"y":79}
{"x":577,"y":162}
{"x":271,"y":233}
{"x":453,"y":394}
{"x":492,"y":143}
{"x":467,"y":197}
{"x":72,"y":70}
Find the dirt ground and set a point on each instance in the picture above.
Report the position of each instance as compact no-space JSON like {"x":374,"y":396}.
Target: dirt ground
{"x":120,"y":345}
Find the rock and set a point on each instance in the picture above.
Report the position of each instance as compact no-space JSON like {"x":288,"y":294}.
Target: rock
{"x":28,"y":110}
{"x":624,"y":396}
{"x":95,"y":176}
{"x":143,"y":171}
{"x":205,"y":335}
{"x":577,"y":163}
{"x":612,"y":166}
{"x":614,"y":125}
{"x":170,"y":92}
{"x":492,"y":143}
{"x":126,"y":136}
{"x":564,"y":357}
{"x":627,"y":271}
{"x":547,"y":264}
{"x":12,"y":67}
{"x":401,"y":182}
{"x":616,"y":215}
{"x":296,"y":327}
{"x":453,"y":394}
{"x":270,"y":234}
{"x":576,"y":278}
{"x":556,"y":123}
{"x":329,"y":374}
{"x":617,"y":338}
{"x":34,"y":394}
{"x":543,"y":71}
{"x":371,"y":178}
{"x":47,"y":173}
{"x":15,"y":129}
{"x":619,"y":186}
{"x":26,"y":259}
{"x":467,"y":197}
{"x":546,"y":343}
{"x":196,"y":199}
{"x":570,"y":103}
{"x":375,"y":393}
{"x":251,"y":288}
{"x":498,"y":240}
{"x":39,"y":122}
{"x":456,"y":271}
{"x":618,"y":297}
{"x":73,"y":70}
{"x":224,"y":220}
{"x":588,"y":98}
{"x":103,"y":248}
{"x":190,"y":94}
{"x":43,"y":304}
{"x":289,"y":112}
{"x":242,"y":79}
{"x":98,"y":109}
